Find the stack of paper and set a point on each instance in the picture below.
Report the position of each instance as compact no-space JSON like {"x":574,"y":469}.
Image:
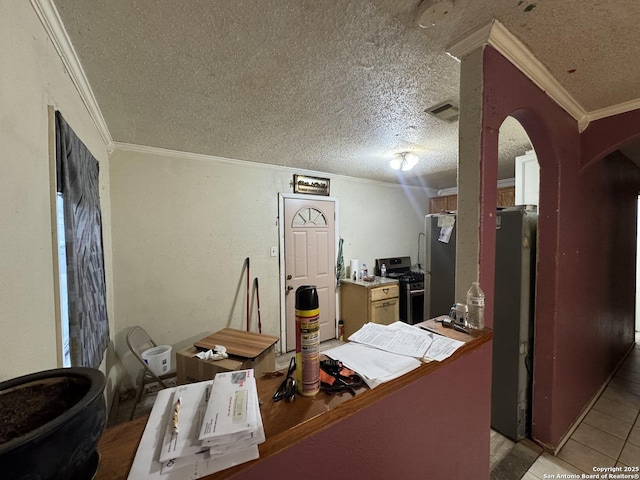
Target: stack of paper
{"x":405,"y":339}
{"x":201,"y":428}
{"x":232,"y":420}
{"x":373,"y":365}
{"x":380,"y":353}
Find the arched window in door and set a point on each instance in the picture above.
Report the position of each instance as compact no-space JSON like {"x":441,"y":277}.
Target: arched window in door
{"x":309,"y":217}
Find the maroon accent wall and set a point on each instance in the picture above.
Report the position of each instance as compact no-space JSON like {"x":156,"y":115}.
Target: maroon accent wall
{"x":607,"y":135}
{"x":586,"y":244}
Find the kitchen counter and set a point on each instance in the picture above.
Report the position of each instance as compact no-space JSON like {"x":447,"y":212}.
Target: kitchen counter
{"x":432,"y":422}
{"x":363,"y":302}
{"x":379,"y":281}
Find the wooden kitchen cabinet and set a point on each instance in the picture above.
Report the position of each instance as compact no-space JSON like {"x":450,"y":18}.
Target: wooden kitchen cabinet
{"x":362,"y":302}
{"x":507,"y":197}
{"x":449,"y":203}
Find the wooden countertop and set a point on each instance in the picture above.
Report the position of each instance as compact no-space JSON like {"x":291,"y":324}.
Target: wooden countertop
{"x":284,"y":423}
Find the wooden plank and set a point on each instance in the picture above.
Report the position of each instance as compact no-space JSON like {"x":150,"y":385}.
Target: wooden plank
{"x":120,"y":444}
{"x":238,"y":342}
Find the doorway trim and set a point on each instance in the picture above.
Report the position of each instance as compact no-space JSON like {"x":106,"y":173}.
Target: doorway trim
{"x":283,"y":312}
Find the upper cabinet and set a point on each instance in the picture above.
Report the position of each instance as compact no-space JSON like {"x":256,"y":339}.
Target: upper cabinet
{"x":447,"y":203}
{"x":527,"y":179}
{"x":506,"y":197}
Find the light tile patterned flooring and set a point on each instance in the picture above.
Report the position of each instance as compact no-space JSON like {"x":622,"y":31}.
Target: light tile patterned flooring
{"x":608,"y":436}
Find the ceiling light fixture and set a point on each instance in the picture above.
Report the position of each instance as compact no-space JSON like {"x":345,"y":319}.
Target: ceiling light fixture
{"x":405,"y":161}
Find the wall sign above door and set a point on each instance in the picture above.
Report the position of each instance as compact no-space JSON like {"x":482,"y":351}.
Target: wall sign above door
{"x":310,"y":185}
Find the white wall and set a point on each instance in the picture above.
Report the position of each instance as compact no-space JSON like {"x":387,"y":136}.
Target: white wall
{"x":184,"y":224}
{"x":32,"y":77}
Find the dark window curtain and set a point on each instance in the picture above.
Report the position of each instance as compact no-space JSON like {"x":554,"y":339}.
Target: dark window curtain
{"x":77,"y":180}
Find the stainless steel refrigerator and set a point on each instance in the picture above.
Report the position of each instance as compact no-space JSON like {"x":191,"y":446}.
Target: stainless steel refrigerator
{"x":512,"y":367}
{"x":439,"y":264}
{"x":513,"y":321}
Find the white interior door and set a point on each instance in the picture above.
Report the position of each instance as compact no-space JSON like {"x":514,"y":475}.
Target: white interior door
{"x":309,"y":252}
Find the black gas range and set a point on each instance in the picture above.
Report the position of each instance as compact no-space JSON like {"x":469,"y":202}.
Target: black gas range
{"x":411,"y":284}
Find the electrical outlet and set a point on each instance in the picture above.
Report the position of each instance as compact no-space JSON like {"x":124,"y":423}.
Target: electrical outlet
{"x":274,"y":251}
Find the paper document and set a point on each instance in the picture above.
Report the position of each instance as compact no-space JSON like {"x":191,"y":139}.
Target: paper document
{"x":394,"y":338}
{"x":442,"y":347}
{"x":228,"y":410}
{"x":230,"y":443}
{"x":373,"y":365}
{"x":146,"y":465}
{"x":171,"y":447}
{"x":205,"y":463}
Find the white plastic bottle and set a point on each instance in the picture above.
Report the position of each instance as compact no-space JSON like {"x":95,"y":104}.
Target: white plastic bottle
{"x":475,"y":306}
{"x":383,"y":270}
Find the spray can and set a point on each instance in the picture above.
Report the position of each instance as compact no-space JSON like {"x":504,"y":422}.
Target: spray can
{"x":307,"y":341}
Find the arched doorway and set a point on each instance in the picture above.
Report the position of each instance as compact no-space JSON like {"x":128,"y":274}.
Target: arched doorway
{"x":514,"y":287}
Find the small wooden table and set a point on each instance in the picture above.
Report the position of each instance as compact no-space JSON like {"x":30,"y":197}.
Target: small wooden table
{"x":238,"y":342}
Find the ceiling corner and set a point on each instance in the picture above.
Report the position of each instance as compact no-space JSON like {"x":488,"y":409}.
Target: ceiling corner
{"x":470,"y":41}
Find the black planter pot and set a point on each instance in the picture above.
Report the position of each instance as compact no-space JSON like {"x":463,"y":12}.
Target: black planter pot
{"x":50,"y":424}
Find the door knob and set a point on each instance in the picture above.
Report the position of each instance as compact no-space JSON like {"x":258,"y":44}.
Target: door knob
{"x":289,"y":287}
{"x":289,"y":277}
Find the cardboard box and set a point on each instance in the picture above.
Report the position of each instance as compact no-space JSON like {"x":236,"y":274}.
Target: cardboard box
{"x":191,"y":369}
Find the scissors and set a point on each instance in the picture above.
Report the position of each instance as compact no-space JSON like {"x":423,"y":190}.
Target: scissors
{"x":287,"y":388}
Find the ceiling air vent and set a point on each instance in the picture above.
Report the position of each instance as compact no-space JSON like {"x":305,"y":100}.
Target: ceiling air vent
{"x":446,"y":111}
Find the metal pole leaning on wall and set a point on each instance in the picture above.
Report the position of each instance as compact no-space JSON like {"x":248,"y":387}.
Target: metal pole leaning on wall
{"x":248,"y":275}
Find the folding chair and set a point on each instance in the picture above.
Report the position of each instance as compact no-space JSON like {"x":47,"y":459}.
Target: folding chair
{"x":138,"y":341}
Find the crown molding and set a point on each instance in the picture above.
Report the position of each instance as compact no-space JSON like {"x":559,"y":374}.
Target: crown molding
{"x":50,"y":19}
{"x":518,"y":54}
{"x":469,"y":42}
{"x":509,"y":46}
{"x":614,"y":110}
{"x":201,"y":157}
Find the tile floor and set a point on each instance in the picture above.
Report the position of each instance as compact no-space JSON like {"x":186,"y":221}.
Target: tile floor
{"x":608,"y":436}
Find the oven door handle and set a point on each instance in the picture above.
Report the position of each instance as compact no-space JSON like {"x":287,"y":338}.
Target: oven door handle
{"x":416,"y":292}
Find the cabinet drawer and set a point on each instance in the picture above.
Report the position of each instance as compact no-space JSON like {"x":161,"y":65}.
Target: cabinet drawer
{"x":382,"y":293}
{"x":385,"y":312}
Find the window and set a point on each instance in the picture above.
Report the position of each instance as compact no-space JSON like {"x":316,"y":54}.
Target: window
{"x":62,"y":272}
{"x":309,"y":216}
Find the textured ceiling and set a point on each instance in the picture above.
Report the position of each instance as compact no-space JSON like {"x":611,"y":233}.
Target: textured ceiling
{"x":336,"y":86}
